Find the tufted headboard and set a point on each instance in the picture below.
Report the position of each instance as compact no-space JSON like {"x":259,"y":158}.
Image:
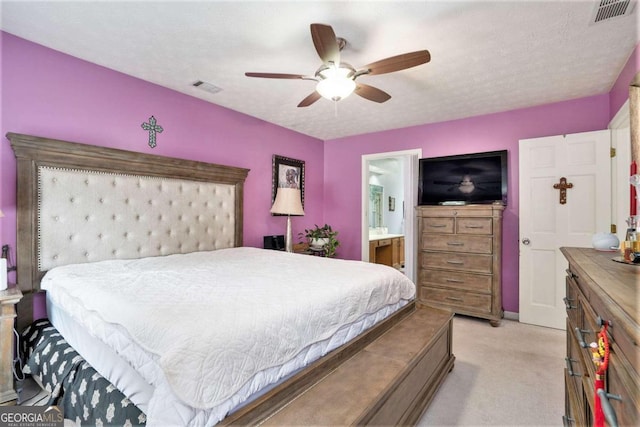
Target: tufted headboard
{"x":80,"y":203}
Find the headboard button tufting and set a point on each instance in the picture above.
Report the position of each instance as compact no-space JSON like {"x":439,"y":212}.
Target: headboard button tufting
{"x":99,"y":215}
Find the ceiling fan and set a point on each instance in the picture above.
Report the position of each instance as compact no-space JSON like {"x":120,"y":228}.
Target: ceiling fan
{"x":336,"y":79}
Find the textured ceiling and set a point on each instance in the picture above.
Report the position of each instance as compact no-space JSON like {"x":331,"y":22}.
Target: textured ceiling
{"x":486,"y":56}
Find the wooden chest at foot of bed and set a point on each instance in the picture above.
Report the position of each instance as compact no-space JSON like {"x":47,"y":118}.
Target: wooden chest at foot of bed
{"x":389,"y":382}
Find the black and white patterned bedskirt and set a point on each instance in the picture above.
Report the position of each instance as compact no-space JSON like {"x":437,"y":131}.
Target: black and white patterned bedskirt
{"x":85,"y":396}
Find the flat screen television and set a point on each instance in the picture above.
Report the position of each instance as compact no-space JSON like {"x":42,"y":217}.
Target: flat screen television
{"x":463,"y":179}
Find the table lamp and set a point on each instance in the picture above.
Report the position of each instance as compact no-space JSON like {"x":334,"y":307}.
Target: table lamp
{"x":288,"y":202}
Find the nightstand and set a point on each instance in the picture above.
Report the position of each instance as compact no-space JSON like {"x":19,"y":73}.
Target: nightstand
{"x":8,"y":300}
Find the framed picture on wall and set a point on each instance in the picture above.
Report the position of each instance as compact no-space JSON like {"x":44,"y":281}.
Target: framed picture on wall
{"x":288,"y":173}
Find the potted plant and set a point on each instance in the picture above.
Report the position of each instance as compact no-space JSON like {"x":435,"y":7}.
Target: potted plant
{"x":322,"y":238}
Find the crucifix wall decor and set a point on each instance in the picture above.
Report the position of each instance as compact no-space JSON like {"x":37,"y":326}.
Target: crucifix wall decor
{"x":153,"y":128}
{"x":562,"y":186}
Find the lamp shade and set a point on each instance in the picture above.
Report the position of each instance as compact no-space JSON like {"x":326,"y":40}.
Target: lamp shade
{"x":288,"y":202}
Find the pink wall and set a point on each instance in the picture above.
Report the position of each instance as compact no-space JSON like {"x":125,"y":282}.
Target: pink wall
{"x":483,"y":133}
{"x":46,"y":93}
{"x":620,"y":91}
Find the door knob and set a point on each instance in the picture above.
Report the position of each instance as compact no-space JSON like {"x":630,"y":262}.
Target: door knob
{"x":526,"y":241}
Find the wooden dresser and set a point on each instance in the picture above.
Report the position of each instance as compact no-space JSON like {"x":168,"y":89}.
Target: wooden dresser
{"x":601,"y":289}
{"x":459,"y":259}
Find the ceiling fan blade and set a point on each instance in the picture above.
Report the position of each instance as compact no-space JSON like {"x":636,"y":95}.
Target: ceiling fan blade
{"x":324,"y":39}
{"x":371,"y":93}
{"x":277,"y":76}
{"x":397,"y":63}
{"x":310,"y":99}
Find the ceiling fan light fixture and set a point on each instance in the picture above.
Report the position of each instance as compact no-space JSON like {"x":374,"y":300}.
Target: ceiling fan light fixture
{"x":336,"y":79}
{"x":336,"y":83}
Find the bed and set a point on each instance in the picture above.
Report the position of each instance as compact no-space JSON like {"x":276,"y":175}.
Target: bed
{"x":134,"y":251}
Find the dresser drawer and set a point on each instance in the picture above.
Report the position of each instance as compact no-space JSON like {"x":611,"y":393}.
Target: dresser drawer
{"x":453,"y":243}
{"x":574,"y":404}
{"x":589,"y":330}
{"x":571,"y":303}
{"x":465,"y":301}
{"x":623,"y":382}
{"x":575,"y":365}
{"x":460,"y":262}
{"x":456,"y":280}
{"x":437,"y":225}
{"x":474,"y":226}
{"x":626,"y":340}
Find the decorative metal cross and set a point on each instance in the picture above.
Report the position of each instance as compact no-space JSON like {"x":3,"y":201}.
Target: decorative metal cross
{"x":562,"y":186}
{"x":152,"y":127}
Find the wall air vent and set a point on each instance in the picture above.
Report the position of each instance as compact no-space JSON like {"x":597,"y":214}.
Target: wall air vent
{"x":207,"y":87}
{"x":609,"y":9}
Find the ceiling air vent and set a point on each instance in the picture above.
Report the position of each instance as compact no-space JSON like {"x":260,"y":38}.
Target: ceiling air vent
{"x":608,"y":9}
{"x":207,"y":87}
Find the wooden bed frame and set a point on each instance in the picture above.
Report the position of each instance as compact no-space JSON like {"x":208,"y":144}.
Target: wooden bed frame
{"x":416,"y":342}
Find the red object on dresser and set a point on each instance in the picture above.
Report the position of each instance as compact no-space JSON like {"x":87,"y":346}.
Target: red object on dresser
{"x":602,"y":363}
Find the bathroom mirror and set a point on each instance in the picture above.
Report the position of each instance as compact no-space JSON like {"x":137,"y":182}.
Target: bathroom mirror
{"x":375,"y":206}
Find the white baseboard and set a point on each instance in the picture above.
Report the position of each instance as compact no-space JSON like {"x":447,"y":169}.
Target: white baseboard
{"x":510,"y":315}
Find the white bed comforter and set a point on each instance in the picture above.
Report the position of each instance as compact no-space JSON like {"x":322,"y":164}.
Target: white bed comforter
{"x":216,"y":319}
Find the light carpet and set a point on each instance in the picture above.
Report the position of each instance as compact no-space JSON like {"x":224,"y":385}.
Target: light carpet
{"x":511,"y":375}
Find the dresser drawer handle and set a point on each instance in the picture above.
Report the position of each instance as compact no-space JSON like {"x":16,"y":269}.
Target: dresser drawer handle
{"x":454,"y":299}
{"x":567,"y":303}
{"x":570,"y":367}
{"x":571,"y":274}
{"x":473,"y":226}
{"x":580,"y":337}
{"x":455,"y":262}
{"x":454,"y":281}
{"x":437,"y":225}
{"x":455,"y":243}
{"x":609,"y":413}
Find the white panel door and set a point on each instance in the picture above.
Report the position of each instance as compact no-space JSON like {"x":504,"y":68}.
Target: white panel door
{"x":546,"y":225}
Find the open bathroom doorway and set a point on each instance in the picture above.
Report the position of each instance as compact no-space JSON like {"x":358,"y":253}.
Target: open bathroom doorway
{"x":389,"y":198}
